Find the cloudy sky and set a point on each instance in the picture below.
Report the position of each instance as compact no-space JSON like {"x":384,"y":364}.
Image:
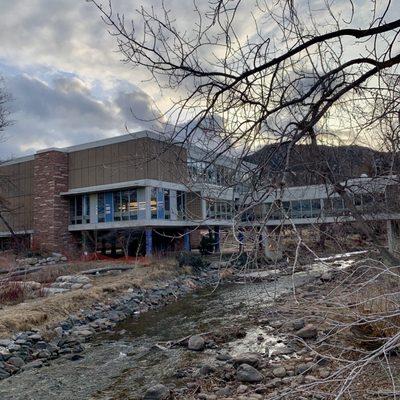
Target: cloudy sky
{"x":67,"y":81}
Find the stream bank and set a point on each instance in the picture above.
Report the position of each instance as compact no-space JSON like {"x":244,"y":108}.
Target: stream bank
{"x":125,"y":362}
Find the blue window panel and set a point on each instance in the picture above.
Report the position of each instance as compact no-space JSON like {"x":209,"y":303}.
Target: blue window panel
{"x":186,"y":240}
{"x":160,"y":204}
{"x":109,"y":208}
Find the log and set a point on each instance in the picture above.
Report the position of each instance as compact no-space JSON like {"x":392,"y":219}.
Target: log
{"x":95,"y":271}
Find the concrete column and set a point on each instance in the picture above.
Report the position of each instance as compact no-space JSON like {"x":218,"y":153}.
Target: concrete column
{"x":93,"y":209}
{"x":173,"y":205}
{"x":186,"y":240}
{"x":149,"y":242}
{"x":147,"y":200}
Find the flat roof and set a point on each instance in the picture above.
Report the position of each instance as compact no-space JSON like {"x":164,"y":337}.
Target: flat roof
{"x":122,"y":139}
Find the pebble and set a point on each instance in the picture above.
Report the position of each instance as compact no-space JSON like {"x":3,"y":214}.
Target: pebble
{"x":279,"y":372}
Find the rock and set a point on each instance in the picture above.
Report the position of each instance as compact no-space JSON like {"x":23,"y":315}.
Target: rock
{"x":76,"y":286}
{"x":279,"y":372}
{"x":298,"y":324}
{"x":276,"y":324}
{"x":59,"y":331}
{"x":157,"y":392}
{"x":223,"y":357}
{"x":16,"y":362}
{"x":206,"y":369}
{"x":302,"y":368}
{"x":308,"y":332}
{"x":242,"y":389}
{"x":247,"y":373}
{"x":3,"y":374}
{"x":87,"y":286}
{"x":196,"y":343}
{"x":223,"y":392}
{"x":253,"y":359}
{"x":326,"y":277}
{"x":33,"y":364}
{"x":324,"y":373}
{"x":5,"y":342}
{"x":74,"y":279}
{"x":35,"y":337}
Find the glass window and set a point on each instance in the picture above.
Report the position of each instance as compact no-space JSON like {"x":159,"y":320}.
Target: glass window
{"x":117,"y":206}
{"x":305,"y":208}
{"x":125,"y":205}
{"x":86,"y":209}
{"x":181,"y":204}
{"x":287,"y":208}
{"x":153,"y":203}
{"x":78,"y":209}
{"x":337,"y":203}
{"x":101,"y":207}
{"x":133,"y":204}
{"x":296,"y":209}
{"x":316,"y":207}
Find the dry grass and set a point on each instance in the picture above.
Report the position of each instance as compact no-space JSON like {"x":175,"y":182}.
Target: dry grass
{"x":44,"y":313}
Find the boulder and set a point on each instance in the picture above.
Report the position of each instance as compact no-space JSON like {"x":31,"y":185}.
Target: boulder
{"x":196,"y":343}
{"x":247,"y":373}
{"x":157,"y":392}
{"x":253,"y":359}
{"x":308,"y":332}
{"x":16,"y":362}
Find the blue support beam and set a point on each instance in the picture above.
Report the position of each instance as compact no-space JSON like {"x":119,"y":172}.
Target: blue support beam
{"x":186,"y":240}
{"x":149,"y":242}
{"x":217,"y":239}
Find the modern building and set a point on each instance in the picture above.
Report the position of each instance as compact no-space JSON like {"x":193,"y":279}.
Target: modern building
{"x":158,"y":192}
{"x":146,"y":193}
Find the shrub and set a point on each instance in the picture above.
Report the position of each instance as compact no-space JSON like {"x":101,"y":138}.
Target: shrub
{"x":207,"y":245}
{"x":196,"y":262}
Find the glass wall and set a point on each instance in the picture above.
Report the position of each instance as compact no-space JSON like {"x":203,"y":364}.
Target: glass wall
{"x":79,"y":210}
{"x":181,"y":204}
{"x":220,"y":210}
{"x":153,"y":203}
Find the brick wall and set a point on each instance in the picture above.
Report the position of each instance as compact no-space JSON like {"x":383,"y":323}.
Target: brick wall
{"x":51,"y":210}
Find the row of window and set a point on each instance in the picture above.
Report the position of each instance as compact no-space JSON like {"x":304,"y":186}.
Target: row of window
{"x":124,"y":205}
{"x":334,"y":206}
{"x":220,"y":210}
{"x":201,"y":171}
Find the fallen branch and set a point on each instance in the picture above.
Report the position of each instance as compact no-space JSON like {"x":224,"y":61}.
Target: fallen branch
{"x":95,"y":271}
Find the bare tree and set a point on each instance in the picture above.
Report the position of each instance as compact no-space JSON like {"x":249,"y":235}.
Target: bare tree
{"x":302,"y":75}
{"x":5,"y":121}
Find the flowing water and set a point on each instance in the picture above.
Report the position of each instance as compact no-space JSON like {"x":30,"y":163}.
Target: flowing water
{"x":123,"y":364}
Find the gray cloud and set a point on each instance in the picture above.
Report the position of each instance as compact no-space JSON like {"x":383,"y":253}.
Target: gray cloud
{"x":66,"y":111}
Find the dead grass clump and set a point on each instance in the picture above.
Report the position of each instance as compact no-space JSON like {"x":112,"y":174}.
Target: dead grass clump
{"x":12,"y":292}
{"x":375,"y":310}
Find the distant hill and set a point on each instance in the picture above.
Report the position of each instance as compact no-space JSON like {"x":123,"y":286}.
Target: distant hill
{"x":307,"y":162}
